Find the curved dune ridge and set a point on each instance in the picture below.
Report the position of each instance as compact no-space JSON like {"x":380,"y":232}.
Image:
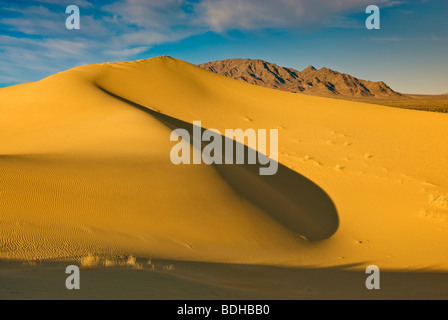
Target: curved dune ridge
{"x":290,"y":198}
{"x":85,"y":169}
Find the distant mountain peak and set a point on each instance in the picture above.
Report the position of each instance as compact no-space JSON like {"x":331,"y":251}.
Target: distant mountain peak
{"x":324,"y":81}
{"x":309,"y":68}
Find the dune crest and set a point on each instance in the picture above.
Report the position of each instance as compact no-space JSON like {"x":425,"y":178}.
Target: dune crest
{"x":293,"y":200}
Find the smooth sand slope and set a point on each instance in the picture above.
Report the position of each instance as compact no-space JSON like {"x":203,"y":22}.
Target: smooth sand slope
{"x":85,"y":169}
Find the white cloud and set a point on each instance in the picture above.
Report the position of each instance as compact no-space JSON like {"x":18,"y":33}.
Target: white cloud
{"x":154,"y":14}
{"x":65,"y":3}
{"x":152,"y":22}
{"x":126,"y":52}
{"x":38,"y":20}
{"x":222,"y":15}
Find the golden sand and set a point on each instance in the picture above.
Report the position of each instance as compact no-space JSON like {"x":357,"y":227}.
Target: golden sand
{"x":84,"y":171}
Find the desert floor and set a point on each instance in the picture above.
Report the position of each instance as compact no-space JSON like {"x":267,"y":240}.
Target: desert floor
{"x":177,"y":280}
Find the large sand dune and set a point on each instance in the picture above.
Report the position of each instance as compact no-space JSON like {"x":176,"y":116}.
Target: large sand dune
{"x":85,"y":169}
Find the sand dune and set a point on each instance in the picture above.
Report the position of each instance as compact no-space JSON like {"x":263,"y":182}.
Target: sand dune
{"x":85,"y":169}
{"x":290,"y":198}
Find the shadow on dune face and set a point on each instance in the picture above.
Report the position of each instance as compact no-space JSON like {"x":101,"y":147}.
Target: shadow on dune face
{"x":290,"y":198}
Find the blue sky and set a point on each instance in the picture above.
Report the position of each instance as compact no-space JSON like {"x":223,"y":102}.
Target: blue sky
{"x":409,"y":52}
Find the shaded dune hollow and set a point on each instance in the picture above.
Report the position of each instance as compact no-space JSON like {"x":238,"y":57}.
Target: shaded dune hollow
{"x":293,"y":200}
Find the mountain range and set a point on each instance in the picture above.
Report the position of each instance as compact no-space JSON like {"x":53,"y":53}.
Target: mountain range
{"x":314,"y":81}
